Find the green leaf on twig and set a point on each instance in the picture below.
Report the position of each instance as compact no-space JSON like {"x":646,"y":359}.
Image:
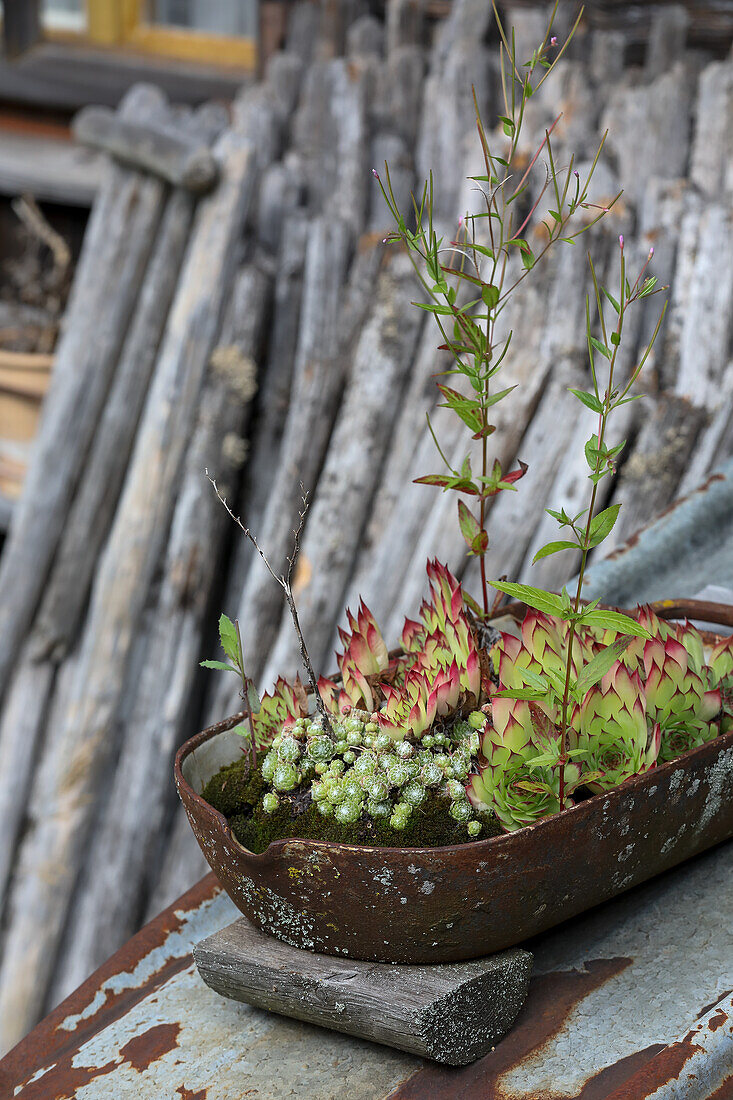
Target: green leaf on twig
{"x":553,"y":548}
{"x":597,"y":668}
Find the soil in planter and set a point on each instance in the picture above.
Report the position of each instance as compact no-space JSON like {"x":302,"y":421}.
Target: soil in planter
{"x":238,"y":797}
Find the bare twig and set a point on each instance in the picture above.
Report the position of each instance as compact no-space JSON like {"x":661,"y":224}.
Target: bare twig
{"x":285,"y":583}
{"x":27,"y":210}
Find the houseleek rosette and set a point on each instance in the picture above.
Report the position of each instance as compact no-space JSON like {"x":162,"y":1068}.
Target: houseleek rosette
{"x":610,"y":731}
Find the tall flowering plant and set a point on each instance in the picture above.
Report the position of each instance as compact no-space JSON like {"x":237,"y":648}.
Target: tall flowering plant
{"x":468,"y":280}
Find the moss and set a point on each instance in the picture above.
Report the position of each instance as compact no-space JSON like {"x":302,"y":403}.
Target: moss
{"x":232,"y":791}
{"x":238,"y":797}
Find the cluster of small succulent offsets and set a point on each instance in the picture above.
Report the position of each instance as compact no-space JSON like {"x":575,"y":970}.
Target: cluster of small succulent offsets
{"x":366,"y":770}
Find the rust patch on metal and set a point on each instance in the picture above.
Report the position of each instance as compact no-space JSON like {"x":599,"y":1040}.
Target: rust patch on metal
{"x":704,"y":1011}
{"x":551,"y":999}
{"x":717,"y":1020}
{"x":142,"y":1050}
{"x":62,"y":1080}
{"x":49,"y":1044}
{"x":599,"y":1086}
{"x":665,"y":1067}
{"x":189,"y":1094}
{"x":724,"y":1091}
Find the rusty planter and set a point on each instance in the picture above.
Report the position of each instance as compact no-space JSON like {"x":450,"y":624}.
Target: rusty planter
{"x":432,"y":905}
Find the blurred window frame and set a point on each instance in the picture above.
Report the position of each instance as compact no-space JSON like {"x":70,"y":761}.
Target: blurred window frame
{"x":122,"y":25}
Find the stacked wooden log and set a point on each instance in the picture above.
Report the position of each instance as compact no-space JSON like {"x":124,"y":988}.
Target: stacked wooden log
{"x":263,"y":332}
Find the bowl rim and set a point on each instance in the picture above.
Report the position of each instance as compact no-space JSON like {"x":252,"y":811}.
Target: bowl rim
{"x":634,"y":783}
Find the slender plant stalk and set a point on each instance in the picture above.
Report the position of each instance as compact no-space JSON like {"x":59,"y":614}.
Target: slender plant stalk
{"x":611,"y":400}
{"x":469,"y":334}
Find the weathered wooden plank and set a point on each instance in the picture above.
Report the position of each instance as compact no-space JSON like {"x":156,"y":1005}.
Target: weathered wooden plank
{"x":126,"y":847}
{"x":331,"y":137}
{"x":667,"y":38}
{"x":50,"y":169}
{"x":650,"y":476}
{"x":452,"y":1013}
{"x":346,"y":486}
{"x":701,"y":296}
{"x":70,"y":75}
{"x":650,"y":127}
{"x":75,"y":756}
{"x":22,"y":718}
{"x":316,"y":391}
{"x":711,"y":160}
{"x":115,"y":254}
{"x":267,"y":431}
{"x":162,"y":150}
{"x":91,"y":512}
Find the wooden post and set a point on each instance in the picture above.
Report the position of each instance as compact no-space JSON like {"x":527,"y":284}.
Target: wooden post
{"x":166,"y":152}
{"x":76,"y":755}
{"x":117,"y":247}
{"x":127,"y":845}
{"x":452,"y":1013}
{"x":381,"y":364}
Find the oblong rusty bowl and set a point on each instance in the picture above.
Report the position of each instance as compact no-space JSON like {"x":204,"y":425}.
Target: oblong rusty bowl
{"x":434,"y":905}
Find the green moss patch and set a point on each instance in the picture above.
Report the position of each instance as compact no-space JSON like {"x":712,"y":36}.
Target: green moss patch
{"x":239,"y":798}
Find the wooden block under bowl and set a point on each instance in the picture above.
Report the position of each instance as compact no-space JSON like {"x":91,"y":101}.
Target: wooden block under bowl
{"x":452,"y":1013}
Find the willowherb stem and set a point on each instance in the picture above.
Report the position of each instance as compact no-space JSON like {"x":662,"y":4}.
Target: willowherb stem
{"x":245,"y":688}
{"x":285,"y":582}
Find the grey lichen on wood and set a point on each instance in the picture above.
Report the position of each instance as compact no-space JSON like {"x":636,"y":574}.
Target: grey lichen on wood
{"x":453,"y":1013}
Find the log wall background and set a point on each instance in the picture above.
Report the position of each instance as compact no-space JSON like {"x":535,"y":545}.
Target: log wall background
{"x":266,"y":333}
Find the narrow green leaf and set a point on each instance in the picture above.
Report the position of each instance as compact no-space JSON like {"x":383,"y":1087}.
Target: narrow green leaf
{"x":611,"y":299}
{"x":614,"y":620}
{"x":253,"y":698}
{"x":527,"y":694}
{"x":228,"y":638}
{"x":553,"y":548}
{"x":589,"y":400}
{"x":468,"y":523}
{"x":528,"y":259}
{"x":600,"y":347}
{"x":494,"y":398}
{"x":603,"y":523}
{"x":219,"y":665}
{"x":533,"y":679}
{"x":533,"y":597}
{"x":597,"y":668}
{"x":480,"y":544}
{"x":615,"y":339}
{"x":490,"y":295}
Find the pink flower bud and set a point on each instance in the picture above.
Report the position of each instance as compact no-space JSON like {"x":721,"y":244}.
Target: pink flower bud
{"x":651,"y":252}
{"x":621,"y":240}
{"x":375,"y":173}
{"x":576,"y":173}
{"x":553,"y":40}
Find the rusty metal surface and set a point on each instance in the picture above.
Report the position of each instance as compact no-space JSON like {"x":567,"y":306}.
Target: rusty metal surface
{"x":412,"y":905}
{"x":628,"y":1002}
{"x":145,"y":1027}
